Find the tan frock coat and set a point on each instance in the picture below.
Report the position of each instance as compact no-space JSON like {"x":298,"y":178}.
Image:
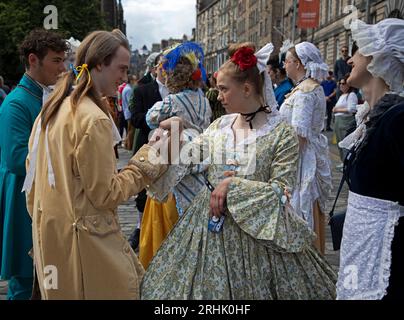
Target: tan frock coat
{"x":75,"y":225}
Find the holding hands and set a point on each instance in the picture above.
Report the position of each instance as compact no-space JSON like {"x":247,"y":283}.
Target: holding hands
{"x":167,"y":136}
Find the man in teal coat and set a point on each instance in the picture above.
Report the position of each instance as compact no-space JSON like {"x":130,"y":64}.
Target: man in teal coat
{"x":43,"y":53}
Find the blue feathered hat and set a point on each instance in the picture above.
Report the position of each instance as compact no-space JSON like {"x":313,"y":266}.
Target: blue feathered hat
{"x":190,"y":50}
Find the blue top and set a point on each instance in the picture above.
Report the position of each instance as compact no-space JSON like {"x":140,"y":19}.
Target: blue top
{"x":126,"y":94}
{"x":329,"y":86}
{"x":282,"y":90}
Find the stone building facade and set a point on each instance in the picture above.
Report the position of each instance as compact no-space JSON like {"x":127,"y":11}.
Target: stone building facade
{"x":335,"y":15}
{"x":221,"y":22}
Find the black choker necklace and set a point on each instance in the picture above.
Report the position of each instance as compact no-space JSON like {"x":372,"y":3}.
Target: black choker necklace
{"x":249,"y":117}
{"x":301,"y":80}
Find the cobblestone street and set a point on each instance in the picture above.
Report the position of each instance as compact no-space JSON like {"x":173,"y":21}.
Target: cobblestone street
{"x":128,"y":214}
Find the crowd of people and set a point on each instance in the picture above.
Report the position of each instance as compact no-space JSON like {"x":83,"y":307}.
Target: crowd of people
{"x":231,"y":170}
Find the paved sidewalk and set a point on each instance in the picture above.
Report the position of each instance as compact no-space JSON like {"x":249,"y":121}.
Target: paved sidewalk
{"x":128,"y":213}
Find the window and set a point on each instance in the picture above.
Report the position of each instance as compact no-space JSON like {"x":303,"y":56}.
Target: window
{"x":338,"y":8}
{"x":337,"y":49}
{"x":373,"y":18}
{"x":329,"y":10}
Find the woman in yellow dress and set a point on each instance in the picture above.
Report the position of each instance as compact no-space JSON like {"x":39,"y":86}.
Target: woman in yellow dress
{"x":183,"y":66}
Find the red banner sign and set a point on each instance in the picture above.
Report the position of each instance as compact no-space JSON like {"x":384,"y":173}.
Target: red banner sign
{"x":309,"y":14}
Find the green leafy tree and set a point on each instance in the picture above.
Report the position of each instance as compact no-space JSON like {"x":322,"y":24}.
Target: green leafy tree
{"x":76,"y":18}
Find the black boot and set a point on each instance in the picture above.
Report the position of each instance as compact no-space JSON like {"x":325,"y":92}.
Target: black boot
{"x":134,"y":239}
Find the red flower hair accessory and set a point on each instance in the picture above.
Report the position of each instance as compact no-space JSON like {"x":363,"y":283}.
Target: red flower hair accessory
{"x":197,"y":75}
{"x":244,"y":58}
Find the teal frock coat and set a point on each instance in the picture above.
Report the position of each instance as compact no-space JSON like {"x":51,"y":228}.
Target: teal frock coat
{"x":17,"y":115}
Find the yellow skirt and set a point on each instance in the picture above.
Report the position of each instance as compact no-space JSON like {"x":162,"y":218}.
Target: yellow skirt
{"x":157,"y":222}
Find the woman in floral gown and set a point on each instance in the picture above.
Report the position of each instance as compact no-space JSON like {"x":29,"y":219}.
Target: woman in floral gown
{"x":263,"y":251}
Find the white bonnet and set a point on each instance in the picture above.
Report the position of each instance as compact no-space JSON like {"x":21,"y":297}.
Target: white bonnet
{"x":383,"y":41}
{"x":310,"y":56}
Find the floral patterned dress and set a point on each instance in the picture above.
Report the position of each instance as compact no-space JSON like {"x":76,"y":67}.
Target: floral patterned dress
{"x":262,"y":252}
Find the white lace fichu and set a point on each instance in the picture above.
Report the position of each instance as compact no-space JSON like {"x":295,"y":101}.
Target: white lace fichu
{"x":359,"y":134}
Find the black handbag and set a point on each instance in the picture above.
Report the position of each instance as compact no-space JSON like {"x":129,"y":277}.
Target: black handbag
{"x":337,"y":220}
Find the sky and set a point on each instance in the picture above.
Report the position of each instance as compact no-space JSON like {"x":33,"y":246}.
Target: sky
{"x":150,"y":21}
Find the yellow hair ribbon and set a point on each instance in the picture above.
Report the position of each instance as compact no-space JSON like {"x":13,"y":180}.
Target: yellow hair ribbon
{"x":193,"y":59}
{"x":81,"y":69}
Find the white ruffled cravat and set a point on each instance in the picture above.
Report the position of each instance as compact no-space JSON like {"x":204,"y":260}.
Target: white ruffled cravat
{"x":29,"y":179}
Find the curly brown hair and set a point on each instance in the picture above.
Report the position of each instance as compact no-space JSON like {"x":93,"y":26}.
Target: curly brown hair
{"x":181,"y":77}
{"x":38,"y":42}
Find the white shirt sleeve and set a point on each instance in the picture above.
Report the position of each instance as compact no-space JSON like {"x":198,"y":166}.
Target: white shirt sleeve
{"x":352,"y":102}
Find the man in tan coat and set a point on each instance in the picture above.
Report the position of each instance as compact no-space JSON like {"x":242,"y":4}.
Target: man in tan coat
{"x":73,"y":187}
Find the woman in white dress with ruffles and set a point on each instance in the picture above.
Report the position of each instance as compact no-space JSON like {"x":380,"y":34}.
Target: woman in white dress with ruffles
{"x":304,"y":108}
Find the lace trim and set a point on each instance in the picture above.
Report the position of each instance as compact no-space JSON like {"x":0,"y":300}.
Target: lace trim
{"x":359,"y":134}
{"x":303,"y":132}
{"x":160,"y":189}
{"x":394,"y":212}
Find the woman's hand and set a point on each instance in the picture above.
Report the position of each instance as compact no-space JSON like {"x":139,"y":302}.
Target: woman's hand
{"x":218,"y":198}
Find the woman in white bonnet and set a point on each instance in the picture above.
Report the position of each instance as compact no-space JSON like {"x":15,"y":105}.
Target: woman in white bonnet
{"x":305,"y":109}
{"x":372,"y":262}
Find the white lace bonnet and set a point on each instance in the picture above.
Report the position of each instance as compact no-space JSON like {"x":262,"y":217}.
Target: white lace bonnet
{"x":262,"y":57}
{"x":383,"y":41}
{"x":310,"y":56}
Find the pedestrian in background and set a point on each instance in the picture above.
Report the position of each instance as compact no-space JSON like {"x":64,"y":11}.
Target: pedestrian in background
{"x":184,"y":68}
{"x":126,"y":94}
{"x":344,"y":112}
{"x":144,"y":96}
{"x":341,"y":67}
{"x":212,"y":94}
{"x":330,"y":90}
{"x":3,"y":86}
{"x":283,"y":85}
{"x":3,"y":95}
